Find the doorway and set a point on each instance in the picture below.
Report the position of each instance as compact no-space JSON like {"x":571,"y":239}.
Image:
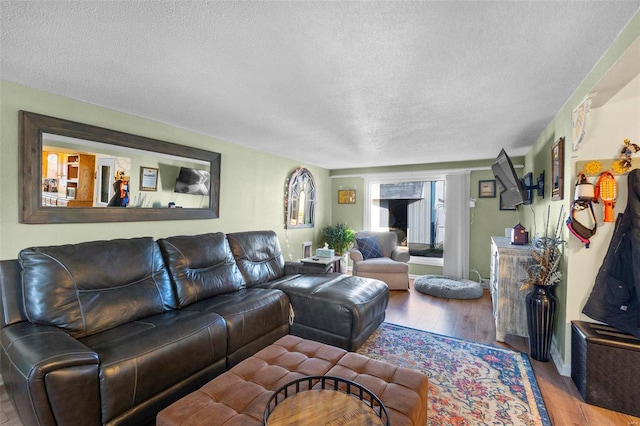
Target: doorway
{"x":105,"y":179}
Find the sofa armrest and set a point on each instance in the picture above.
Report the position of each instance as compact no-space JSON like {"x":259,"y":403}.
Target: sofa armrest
{"x":356,"y":255}
{"x":52,"y":378}
{"x":400,"y":255}
{"x":292,"y":268}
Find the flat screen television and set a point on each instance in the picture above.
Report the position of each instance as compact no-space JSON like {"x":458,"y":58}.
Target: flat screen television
{"x":192,"y":181}
{"x":512,"y":189}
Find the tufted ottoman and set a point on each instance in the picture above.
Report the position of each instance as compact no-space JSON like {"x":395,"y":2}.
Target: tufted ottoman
{"x":239,"y":396}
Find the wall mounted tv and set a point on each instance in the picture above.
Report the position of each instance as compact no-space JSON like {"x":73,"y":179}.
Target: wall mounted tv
{"x":193,"y":181}
{"x":512,"y":189}
{"x":527,"y":181}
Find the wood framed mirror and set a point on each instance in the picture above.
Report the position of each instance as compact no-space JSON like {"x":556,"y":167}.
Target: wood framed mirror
{"x":69,"y":171}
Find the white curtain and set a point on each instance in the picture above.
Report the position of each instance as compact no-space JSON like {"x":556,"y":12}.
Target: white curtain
{"x":456,"y":237}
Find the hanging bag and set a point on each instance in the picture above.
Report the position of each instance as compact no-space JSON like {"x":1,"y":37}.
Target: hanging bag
{"x":584,"y":195}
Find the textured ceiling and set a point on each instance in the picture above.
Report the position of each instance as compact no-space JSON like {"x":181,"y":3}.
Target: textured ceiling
{"x":335,"y":84}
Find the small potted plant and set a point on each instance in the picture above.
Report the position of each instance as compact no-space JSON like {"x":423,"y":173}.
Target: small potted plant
{"x":338,"y":237}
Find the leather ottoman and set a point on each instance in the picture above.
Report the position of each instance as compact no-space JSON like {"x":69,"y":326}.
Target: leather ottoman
{"x":239,"y":396}
{"x":604,"y":366}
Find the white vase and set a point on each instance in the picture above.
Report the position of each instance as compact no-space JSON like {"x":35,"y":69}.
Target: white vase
{"x":344,"y":262}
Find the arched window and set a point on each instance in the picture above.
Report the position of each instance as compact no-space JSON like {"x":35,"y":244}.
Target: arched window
{"x":300,"y":201}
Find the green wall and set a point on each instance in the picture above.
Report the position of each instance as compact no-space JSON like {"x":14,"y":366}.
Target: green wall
{"x":351,"y":214}
{"x":251,"y":194}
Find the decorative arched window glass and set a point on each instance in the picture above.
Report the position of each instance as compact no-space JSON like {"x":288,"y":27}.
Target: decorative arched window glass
{"x":300,"y":201}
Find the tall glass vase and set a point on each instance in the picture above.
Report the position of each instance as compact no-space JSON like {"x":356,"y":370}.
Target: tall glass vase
{"x":541,"y":307}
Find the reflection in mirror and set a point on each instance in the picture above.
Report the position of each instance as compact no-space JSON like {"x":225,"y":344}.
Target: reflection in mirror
{"x":300,"y":202}
{"x":93,"y":174}
{"x":72,"y":172}
{"x":106,"y":169}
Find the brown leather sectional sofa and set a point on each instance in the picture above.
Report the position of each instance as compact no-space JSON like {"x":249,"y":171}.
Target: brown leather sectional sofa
{"x":111,"y":332}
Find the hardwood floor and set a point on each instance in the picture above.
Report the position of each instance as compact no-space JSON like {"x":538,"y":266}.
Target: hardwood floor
{"x":471,"y":320}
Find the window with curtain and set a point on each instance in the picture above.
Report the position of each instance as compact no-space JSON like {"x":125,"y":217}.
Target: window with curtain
{"x":428,"y":212}
{"x":414,"y":211}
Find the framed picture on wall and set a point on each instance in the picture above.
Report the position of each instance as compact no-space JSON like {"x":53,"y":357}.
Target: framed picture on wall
{"x":148,"y":179}
{"x":487,"y":188}
{"x":346,"y":196}
{"x":557,"y":170}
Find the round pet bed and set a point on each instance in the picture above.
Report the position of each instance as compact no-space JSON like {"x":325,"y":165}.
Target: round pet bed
{"x":447,"y":287}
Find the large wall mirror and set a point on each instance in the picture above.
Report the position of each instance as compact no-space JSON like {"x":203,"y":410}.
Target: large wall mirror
{"x":74,"y":172}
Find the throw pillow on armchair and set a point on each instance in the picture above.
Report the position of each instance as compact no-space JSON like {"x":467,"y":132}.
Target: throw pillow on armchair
{"x":369,"y":247}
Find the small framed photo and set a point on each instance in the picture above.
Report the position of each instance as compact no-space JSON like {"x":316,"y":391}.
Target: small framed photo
{"x":148,"y":179}
{"x":487,"y":188}
{"x":346,"y":196}
{"x":557,"y":170}
{"x":503,"y":206}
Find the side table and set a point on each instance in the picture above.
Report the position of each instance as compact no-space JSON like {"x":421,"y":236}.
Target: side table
{"x":323,"y":262}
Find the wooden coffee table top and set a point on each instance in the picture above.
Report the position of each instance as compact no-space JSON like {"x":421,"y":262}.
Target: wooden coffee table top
{"x":323,"y":407}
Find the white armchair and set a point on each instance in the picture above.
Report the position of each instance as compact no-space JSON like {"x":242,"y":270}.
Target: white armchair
{"x":377,"y":255}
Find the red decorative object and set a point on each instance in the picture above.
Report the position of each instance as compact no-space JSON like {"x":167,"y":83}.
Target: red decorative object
{"x":519,"y":235}
{"x":607,"y":191}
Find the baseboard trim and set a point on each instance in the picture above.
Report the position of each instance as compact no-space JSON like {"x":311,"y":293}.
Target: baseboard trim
{"x":564,"y":369}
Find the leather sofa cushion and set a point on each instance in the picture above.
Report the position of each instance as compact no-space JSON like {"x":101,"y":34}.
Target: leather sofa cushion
{"x":249,"y":314}
{"x":336,"y":303}
{"x":91,"y":287}
{"x":11,"y":306}
{"x":141,"y":359}
{"x":258,"y":256}
{"x":201,"y":266}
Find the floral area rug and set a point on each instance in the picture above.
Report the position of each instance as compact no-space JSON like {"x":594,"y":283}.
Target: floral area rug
{"x":469,"y":383}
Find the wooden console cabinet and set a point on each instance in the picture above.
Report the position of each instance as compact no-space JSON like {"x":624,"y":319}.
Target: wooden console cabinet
{"x":508,"y":272}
